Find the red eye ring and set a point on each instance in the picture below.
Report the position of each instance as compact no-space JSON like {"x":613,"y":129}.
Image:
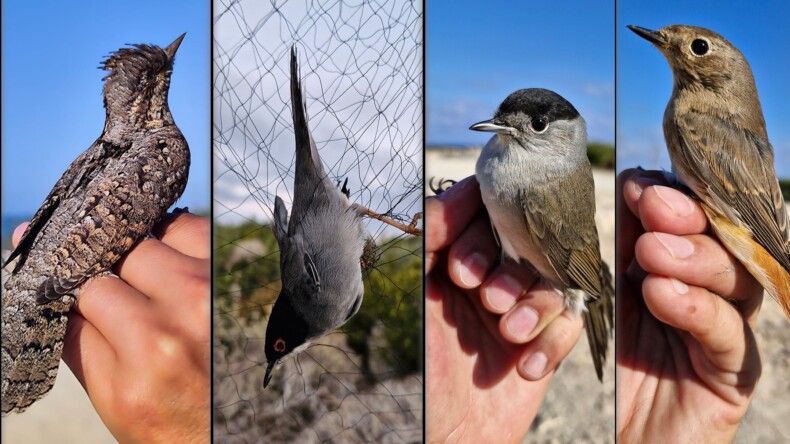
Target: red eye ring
{"x":279,"y":345}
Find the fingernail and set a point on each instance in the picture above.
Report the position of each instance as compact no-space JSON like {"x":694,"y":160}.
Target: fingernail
{"x":503,"y":291}
{"x":472,"y":270}
{"x":679,"y":247}
{"x":521,"y":322}
{"x":680,"y":287}
{"x":678,"y":202}
{"x":535,"y":365}
{"x":643,"y":182}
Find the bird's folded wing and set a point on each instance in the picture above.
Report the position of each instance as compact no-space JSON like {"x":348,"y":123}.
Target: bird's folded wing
{"x":735,"y":170}
{"x":562,"y":222}
{"x":84,"y":168}
{"x":106,"y":225}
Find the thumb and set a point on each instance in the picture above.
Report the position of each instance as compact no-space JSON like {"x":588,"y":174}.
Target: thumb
{"x":18,"y":232}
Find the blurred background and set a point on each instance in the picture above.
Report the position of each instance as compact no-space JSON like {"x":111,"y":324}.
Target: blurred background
{"x":52,"y":111}
{"x":476,"y":55}
{"x":644,"y":85}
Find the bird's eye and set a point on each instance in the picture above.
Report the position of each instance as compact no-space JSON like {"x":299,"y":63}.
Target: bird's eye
{"x":539,"y":124}
{"x":699,"y":47}
{"x":279,"y":345}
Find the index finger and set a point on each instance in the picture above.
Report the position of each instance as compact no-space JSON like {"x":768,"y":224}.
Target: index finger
{"x":186,"y":233}
{"x":671,"y":211}
{"x":447,"y":215}
{"x":629,"y":228}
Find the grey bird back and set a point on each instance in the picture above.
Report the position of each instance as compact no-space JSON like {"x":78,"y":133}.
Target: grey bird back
{"x":321,"y":249}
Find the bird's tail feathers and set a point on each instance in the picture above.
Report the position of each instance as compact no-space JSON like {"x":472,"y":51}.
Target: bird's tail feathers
{"x":306,"y":152}
{"x":599,"y":321}
{"x":31,"y":355}
{"x":772,"y":275}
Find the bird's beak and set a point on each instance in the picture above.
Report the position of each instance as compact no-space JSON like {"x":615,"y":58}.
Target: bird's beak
{"x":268,"y":376}
{"x":651,"y":36}
{"x":173,"y":47}
{"x":492,"y":126}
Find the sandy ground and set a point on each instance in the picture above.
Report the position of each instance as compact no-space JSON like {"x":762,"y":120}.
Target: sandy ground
{"x":65,"y":415}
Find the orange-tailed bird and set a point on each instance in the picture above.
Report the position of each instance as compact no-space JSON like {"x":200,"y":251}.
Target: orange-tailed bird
{"x":716,"y":137}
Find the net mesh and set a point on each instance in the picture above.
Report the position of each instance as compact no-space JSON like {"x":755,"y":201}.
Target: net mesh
{"x":361,"y":69}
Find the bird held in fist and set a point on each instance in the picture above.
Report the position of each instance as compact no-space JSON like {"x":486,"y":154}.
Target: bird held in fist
{"x":718,"y":144}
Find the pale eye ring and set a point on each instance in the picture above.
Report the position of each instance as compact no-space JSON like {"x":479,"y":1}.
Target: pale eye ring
{"x":279,"y":345}
{"x":539,"y":124}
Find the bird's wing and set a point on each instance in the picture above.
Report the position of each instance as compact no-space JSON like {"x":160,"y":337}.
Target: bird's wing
{"x":116,"y":212}
{"x":280,"y":221}
{"x":734,"y":171}
{"x":561,"y":219}
{"x":313,"y":280}
{"x":81,"y":171}
{"x":298,"y":271}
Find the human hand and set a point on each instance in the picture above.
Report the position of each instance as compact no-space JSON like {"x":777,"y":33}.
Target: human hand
{"x":494,"y":333}
{"x":687,"y":361}
{"x":140,"y":345}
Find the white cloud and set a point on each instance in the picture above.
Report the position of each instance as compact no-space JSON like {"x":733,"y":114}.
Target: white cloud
{"x":362,"y":80}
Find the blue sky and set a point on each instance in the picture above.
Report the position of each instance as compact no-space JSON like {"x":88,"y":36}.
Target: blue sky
{"x":51,"y":90}
{"x":761,"y":30}
{"x":479,"y":52}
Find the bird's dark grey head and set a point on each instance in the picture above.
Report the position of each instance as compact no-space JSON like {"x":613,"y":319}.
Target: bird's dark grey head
{"x":535,"y":116}
{"x":285,"y":332}
{"x":528,"y":110}
{"x":537,"y":102}
{"x":138,"y":82}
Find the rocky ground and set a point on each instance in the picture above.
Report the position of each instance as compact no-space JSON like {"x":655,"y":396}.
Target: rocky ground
{"x":321,"y":396}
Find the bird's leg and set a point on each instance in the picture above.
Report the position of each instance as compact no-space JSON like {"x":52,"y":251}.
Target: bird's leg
{"x":440,"y":188}
{"x":345,"y":190}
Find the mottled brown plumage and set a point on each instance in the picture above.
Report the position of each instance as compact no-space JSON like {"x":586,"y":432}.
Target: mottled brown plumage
{"x":109,"y":198}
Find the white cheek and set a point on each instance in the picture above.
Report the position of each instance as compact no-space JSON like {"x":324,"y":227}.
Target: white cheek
{"x":301,"y":348}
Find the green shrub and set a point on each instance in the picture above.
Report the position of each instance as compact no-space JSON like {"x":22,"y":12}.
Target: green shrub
{"x":784,"y":185}
{"x":393,"y":299}
{"x":601,"y":155}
